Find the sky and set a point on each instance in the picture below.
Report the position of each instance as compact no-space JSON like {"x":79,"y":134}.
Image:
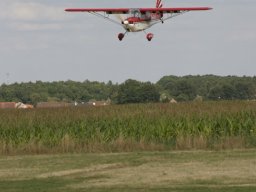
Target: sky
{"x":40,"y":41}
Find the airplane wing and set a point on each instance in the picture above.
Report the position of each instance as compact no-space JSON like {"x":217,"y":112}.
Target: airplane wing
{"x":170,"y":12}
{"x":142,"y":10}
{"x":173,"y":10}
{"x":106,"y":10}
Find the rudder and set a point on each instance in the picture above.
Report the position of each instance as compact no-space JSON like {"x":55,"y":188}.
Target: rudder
{"x":159,"y":4}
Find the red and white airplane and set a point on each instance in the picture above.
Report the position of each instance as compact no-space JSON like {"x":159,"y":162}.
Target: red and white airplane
{"x":138,"y":19}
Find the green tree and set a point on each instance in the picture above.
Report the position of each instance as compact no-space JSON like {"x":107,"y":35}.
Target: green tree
{"x":132,"y":91}
{"x":128,"y":92}
{"x":149,"y":93}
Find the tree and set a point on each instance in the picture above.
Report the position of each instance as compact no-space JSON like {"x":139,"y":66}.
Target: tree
{"x":36,"y":98}
{"x":228,"y":92}
{"x":185,"y":89}
{"x":149,"y":93}
{"x":245,"y":90}
{"x":128,"y":92}
{"x":215,"y":93}
{"x":132,"y":91}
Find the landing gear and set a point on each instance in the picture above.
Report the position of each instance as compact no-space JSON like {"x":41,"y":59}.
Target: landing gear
{"x":150,"y":36}
{"x":121,"y":36}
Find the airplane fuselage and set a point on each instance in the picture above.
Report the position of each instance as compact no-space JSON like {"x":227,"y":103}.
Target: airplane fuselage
{"x":135,"y":24}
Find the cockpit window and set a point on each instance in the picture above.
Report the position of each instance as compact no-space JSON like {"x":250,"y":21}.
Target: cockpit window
{"x":135,"y":13}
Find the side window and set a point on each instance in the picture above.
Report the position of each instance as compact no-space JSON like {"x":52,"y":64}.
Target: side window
{"x":136,"y":14}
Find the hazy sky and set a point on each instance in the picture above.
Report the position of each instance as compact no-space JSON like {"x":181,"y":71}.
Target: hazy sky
{"x":39,"y":41}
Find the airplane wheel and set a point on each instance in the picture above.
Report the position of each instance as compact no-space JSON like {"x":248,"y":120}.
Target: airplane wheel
{"x":120,"y":36}
{"x":150,"y":36}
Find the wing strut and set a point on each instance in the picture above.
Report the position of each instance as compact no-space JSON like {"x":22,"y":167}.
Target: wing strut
{"x":105,"y":16}
{"x":169,"y":16}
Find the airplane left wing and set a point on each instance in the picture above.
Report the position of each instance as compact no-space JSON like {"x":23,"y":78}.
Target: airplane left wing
{"x":106,"y":10}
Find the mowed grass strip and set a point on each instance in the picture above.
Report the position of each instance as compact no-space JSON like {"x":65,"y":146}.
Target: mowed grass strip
{"x":146,"y":171}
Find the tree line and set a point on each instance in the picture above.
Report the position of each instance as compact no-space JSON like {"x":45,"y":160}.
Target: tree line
{"x":185,"y":88}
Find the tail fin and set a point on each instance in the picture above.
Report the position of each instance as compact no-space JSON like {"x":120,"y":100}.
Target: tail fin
{"x":159,"y":4}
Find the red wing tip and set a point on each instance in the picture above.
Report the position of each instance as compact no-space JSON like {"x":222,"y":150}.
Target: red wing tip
{"x":201,"y":8}
{"x":74,"y":10}
{"x":69,"y":10}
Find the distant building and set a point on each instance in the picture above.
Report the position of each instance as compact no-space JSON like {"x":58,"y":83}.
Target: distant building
{"x":99,"y":103}
{"x":199,"y":98}
{"x":23,"y":106}
{"x":53,"y":105}
{"x":13,"y":105}
{"x":173,"y":101}
{"x":7,"y":105}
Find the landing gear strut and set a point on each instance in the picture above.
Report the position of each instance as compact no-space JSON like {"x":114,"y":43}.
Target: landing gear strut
{"x":150,"y":36}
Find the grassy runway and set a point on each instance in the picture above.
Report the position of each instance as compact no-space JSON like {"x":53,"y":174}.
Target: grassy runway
{"x":143,"y":171}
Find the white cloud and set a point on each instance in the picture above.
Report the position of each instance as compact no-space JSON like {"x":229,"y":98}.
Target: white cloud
{"x":30,"y":11}
{"x":16,"y":43}
{"x":31,"y":16}
{"x":25,"y":26}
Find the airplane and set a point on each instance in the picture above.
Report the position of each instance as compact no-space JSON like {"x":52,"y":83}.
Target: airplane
{"x":138,"y":19}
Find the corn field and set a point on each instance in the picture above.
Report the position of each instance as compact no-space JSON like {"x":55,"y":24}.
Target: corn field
{"x":206,"y":125}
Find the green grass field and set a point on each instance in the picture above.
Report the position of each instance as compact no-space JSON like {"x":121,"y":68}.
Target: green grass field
{"x":144,"y":171}
{"x":127,"y":128}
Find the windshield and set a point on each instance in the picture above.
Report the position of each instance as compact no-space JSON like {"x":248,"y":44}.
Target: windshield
{"x":135,"y":13}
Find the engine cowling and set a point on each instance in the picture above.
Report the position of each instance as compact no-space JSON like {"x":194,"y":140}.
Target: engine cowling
{"x":125,"y":22}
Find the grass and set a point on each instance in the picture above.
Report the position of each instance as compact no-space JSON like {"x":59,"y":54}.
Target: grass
{"x":143,"y":171}
{"x":125,"y":128}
